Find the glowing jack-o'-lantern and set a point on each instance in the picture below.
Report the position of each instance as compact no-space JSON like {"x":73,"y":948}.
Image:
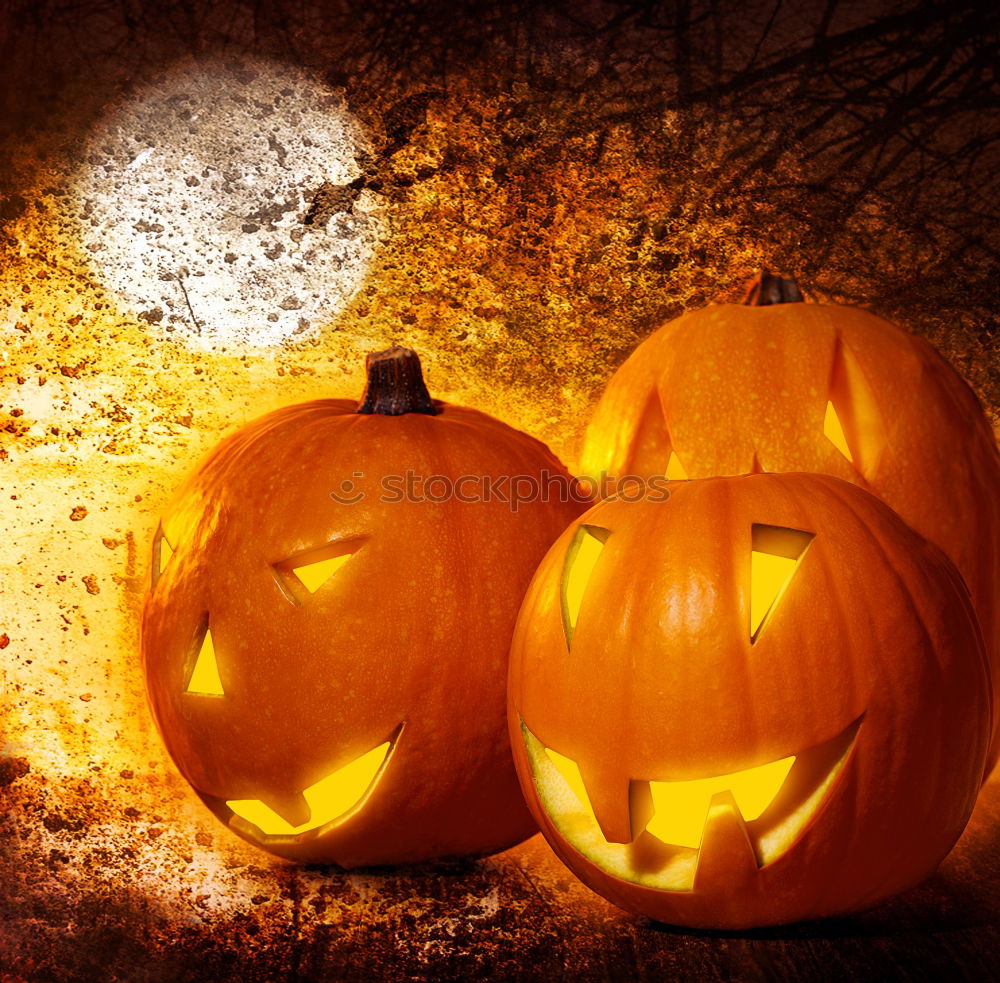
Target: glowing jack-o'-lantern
{"x":763,"y":700}
{"x":326,"y":651}
{"x":775,"y":384}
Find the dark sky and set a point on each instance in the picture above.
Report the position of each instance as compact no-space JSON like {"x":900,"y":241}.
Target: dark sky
{"x":853,"y":142}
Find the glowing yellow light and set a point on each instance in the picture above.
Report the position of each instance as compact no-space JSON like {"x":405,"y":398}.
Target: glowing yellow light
{"x":570,"y":771}
{"x":328,"y":799}
{"x":775,"y":554}
{"x":682,"y":807}
{"x":834,"y":431}
{"x":314,"y":575}
{"x":676,"y":470}
{"x":768,"y":576}
{"x":581,"y":558}
{"x":854,"y":423}
{"x":205,"y":679}
{"x":166,"y":552}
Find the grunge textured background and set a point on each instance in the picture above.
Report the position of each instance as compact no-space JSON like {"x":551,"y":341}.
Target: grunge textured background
{"x":542,"y":184}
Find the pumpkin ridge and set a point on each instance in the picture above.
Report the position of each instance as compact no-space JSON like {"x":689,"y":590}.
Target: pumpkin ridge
{"x":937,"y":764}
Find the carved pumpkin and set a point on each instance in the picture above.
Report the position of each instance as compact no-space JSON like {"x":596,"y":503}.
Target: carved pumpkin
{"x":330,"y":675}
{"x":765,"y":699}
{"x":779,"y":385}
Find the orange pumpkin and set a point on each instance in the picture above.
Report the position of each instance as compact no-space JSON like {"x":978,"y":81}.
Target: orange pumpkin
{"x":762,"y":700}
{"x":325,"y":653}
{"x":775,"y":384}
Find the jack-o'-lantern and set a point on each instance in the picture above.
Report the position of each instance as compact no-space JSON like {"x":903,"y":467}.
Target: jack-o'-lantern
{"x":325,"y":647}
{"x":776,"y":384}
{"x":764,"y":699}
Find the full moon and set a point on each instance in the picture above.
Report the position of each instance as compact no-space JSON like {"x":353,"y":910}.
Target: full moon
{"x":225,"y":204}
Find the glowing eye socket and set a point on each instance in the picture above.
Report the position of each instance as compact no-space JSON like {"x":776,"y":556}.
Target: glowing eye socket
{"x":768,"y":576}
{"x":680,"y":808}
{"x":834,"y":431}
{"x":205,"y":679}
{"x":330,"y":798}
{"x":775,"y":555}
{"x":162,"y":554}
{"x":675,"y":470}
{"x":852,"y":420}
{"x":304,"y":574}
{"x":581,"y":558}
{"x":314,"y":575}
{"x":166,"y":552}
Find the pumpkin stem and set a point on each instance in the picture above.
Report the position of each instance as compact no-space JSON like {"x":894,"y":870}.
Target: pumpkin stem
{"x":769,"y":288}
{"x":395,"y":384}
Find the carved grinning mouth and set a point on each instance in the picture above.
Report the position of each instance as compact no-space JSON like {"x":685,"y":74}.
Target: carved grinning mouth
{"x":774,"y":801}
{"x":331,"y":800}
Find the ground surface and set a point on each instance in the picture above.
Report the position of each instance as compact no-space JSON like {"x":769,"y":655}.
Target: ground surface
{"x":162,"y":894}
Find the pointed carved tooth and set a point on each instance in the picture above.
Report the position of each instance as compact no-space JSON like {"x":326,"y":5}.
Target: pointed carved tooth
{"x":726,"y":859}
{"x":293,"y":808}
{"x":640,"y":806}
{"x":609,"y":795}
{"x":270,"y":816}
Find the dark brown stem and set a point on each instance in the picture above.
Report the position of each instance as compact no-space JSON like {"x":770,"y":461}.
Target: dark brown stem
{"x":395,"y":384}
{"x":768,"y":288}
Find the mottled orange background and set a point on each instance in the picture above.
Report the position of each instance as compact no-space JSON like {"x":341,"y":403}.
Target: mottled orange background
{"x":552,"y":194}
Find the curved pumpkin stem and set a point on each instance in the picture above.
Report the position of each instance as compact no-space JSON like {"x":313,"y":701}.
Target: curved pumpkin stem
{"x":769,"y":288}
{"x":395,"y":384}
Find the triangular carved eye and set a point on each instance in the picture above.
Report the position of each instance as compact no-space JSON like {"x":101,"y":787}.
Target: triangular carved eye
{"x":675,"y":470}
{"x":314,"y":575}
{"x":302,"y":575}
{"x":581,"y":558}
{"x":776,"y":553}
{"x":205,"y":679}
{"x":163,"y":552}
{"x":852,"y":421}
{"x":833,"y":429}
